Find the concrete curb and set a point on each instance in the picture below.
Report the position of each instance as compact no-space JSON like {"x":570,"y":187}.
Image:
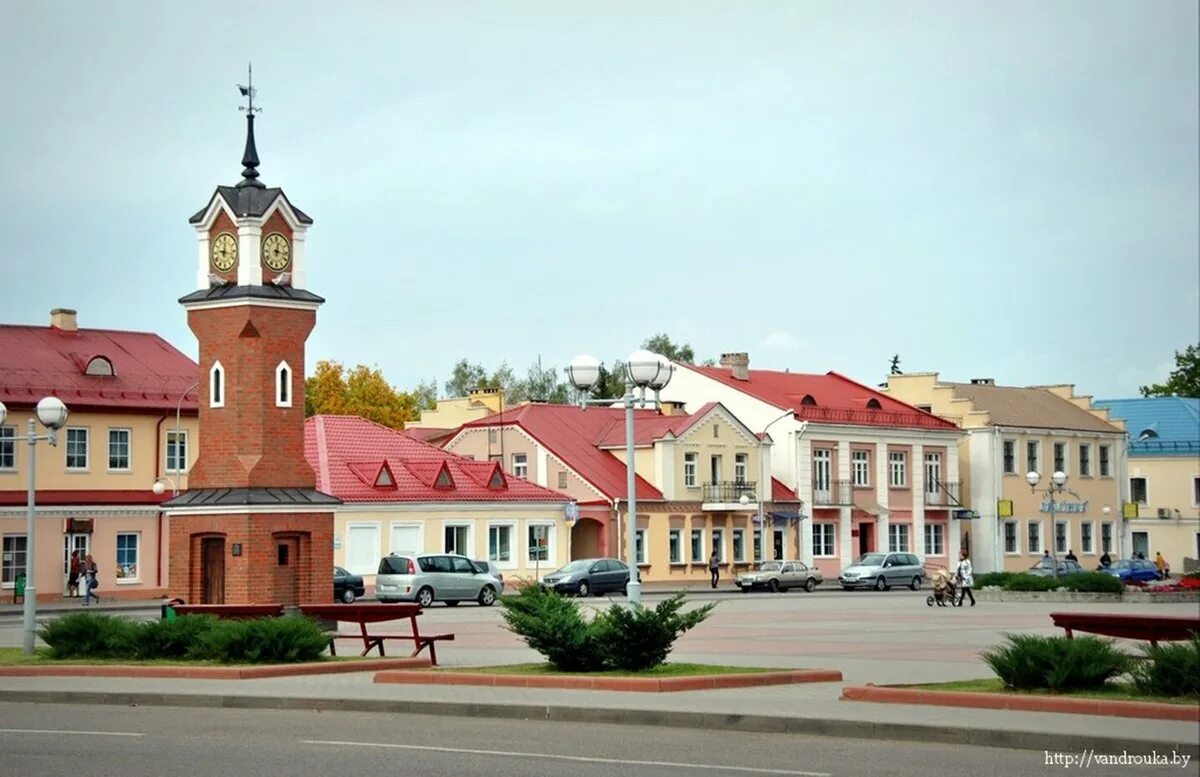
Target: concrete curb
{"x":1030,"y":703}
{"x":1129,"y":597}
{"x":638,"y":684}
{"x":845,"y":729}
{"x":245,"y":672}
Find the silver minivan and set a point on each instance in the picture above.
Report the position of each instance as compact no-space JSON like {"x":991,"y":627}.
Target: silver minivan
{"x":881,"y":571}
{"x":434,"y":577}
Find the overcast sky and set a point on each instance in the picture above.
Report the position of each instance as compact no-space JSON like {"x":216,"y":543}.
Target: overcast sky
{"x":989,"y":189}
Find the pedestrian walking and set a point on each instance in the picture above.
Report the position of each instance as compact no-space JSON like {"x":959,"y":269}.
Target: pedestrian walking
{"x":1106,"y":561}
{"x":73,"y":576}
{"x":89,"y":579}
{"x":966,"y":579}
{"x":714,"y":567}
{"x":1164,"y":571}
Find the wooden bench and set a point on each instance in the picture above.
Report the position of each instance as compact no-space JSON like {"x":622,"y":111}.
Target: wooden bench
{"x":1149,"y":628}
{"x":237,"y":612}
{"x":363,"y":613}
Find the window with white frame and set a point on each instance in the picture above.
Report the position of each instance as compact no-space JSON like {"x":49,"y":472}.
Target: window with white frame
{"x":933,"y":478}
{"x":739,"y":544}
{"x":1060,"y":536}
{"x":675,"y":546}
{"x":1106,"y":537}
{"x":77,"y":448}
{"x":1105,"y":464}
{"x":500,"y":542}
{"x":822,"y":540}
{"x":216,"y":385}
{"x":1138,"y":490}
{"x":14,"y":558}
{"x":718,"y":544}
{"x":541,"y":538}
{"x":1060,"y":457}
{"x":1087,"y":541}
{"x":283,"y":385}
{"x":1035,"y":537}
{"x":639,"y":546}
{"x":1033,"y":450}
{"x":456,"y":538}
{"x":127,"y":556}
{"x":898,"y":538}
{"x":1010,"y":457}
{"x":1010,"y":537}
{"x":562,"y":480}
{"x":520,"y":465}
{"x":1195,"y":491}
{"x":898,"y":469}
{"x":362,"y":548}
{"x":118,"y":449}
{"x":741,"y":463}
{"x":1085,"y":460}
{"x":935,"y":539}
{"x":8,"y":447}
{"x":698,"y":554}
{"x":861,"y":462}
{"x":177,"y":451}
{"x":689,"y":470}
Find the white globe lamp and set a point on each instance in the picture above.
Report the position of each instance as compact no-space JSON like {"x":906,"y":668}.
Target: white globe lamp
{"x":583,"y":371}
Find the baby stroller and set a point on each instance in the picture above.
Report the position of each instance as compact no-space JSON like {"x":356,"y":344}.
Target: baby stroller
{"x":945,"y":592}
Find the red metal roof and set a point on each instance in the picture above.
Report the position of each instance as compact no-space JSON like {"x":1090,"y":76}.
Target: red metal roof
{"x":38,"y":361}
{"x":838,"y":399}
{"x":781,"y":493}
{"x":58,"y":497}
{"x":347,"y":453}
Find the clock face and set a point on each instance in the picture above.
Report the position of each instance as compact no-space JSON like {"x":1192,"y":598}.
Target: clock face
{"x":224,"y":252}
{"x":276,"y":251}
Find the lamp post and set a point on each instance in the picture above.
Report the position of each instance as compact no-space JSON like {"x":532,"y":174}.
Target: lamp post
{"x":762,"y":485}
{"x":52,"y":414}
{"x":644,"y":370}
{"x":1057,"y":485}
{"x":158,"y":486}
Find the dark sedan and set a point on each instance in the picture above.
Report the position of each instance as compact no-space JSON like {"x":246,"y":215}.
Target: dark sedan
{"x":1045,"y":567}
{"x":347,"y":587}
{"x":589,"y":576}
{"x":1132,"y":570}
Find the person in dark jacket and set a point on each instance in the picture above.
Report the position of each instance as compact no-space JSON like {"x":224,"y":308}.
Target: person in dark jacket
{"x":714,"y":567}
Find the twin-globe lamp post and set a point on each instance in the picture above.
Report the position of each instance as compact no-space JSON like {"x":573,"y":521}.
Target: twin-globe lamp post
{"x":52,"y":414}
{"x":644,"y":370}
{"x":1057,"y":485}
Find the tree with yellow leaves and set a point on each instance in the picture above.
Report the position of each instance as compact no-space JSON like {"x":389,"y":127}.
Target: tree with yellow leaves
{"x":362,"y":392}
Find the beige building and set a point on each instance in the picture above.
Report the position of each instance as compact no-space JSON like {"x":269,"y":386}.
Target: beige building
{"x":1012,"y":431}
{"x":453,"y":413}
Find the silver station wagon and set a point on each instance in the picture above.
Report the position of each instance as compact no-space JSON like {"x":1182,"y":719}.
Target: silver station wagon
{"x":881,"y":571}
{"x":434,"y":577}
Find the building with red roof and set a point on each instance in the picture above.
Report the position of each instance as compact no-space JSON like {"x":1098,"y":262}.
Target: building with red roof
{"x":125,"y":392}
{"x":697,"y":480}
{"x":878,"y":473}
{"x":400,"y":494}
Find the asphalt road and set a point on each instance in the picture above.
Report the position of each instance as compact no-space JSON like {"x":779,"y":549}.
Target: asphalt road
{"x":69,"y":740}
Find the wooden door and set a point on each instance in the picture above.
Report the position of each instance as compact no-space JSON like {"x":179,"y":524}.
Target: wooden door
{"x":287,"y":582}
{"x":212,"y":570}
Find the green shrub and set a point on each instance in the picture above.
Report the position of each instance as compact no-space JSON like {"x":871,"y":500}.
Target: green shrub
{"x":638,"y":638}
{"x":171,"y":638}
{"x":1169,"y":670}
{"x":290,"y":639}
{"x":1093,"y":582}
{"x":553,"y":626}
{"x":993,"y":579}
{"x":87,"y":635}
{"x":1024,"y":582}
{"x":1031,"y":662}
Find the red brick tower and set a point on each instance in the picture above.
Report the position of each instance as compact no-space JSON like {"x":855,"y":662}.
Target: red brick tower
{"x":251,"y":527}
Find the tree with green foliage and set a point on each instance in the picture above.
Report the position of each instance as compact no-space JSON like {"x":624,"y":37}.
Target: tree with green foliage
{"x":466,"y":377}
{"x":1184,"y":381}
{"x":662,"y":344}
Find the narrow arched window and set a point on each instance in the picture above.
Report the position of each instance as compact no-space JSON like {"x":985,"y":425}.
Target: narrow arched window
{"x":873,"y":404}
{"x":283,"y":385}
{"x":216,"y":385}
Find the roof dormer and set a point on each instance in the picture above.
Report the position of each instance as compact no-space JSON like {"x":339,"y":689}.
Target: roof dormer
{"x":100,"y":366}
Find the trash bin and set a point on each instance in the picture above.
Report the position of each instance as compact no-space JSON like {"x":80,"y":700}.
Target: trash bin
{"x":168,"y":609}
{"x":19,"y":587}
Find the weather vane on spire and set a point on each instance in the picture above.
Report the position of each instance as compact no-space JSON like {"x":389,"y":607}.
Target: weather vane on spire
{"x":249,"y":92}
{"x":250,"y":157}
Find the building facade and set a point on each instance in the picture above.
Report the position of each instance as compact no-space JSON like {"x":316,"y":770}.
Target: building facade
{"x":132,"y":403}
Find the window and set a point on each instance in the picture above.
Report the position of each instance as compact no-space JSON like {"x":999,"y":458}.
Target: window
{"x":541,"y":536}
{"x":822,"y":540}
{"x":933,"y":478}
{"x":861,"y":461}
{"x":283,"y":385}
{"x":714,"y":469}
{"x":716,"y":431}
{"x":1035,"y":537}
{"x":639,"y":546}
{"x":457,"y":539}
{"x":216,"y":385}
{"x":1010,"y":537}
{"x":1195,"y":492}
{"x":718,"y":544}
{"x":177,"y":451}
{"x":127,"y":556}
{"x":14,"y":559}
{"x":898,"y":467}
{"x":118,"y":449}
{"x":562,"y":480}
{"x":1060,"y":457}
{"x":675,"y":546}
{"x":757,"y":544}
{"x":77,"y":448}
{"x":1104,"y":463}
{"x":739,"y":544}
{"x":689,"y":470}
{"x":362,"y":547}
{"x":1140,"y":542}
{"x":1033,"y":451}
{"x":1085,"y":460}
{"x":8,"y":447}
{"x":1010,"y":457}
{"x":500,"y":543}
{"x":740,"y":464}
{"x":1106,"y":537}
{"x":520,"y":465}
{"x":935,"y":539}
{"x":698,"y":554}
{"x":897,"y":537}
{"x":1087,"y":542}
{"x":822,"y":470}
{"x":1137,"y":490}
{"x":1060,"y":536}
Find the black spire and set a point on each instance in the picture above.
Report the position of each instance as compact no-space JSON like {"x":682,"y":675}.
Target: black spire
{"x":250,"y":156}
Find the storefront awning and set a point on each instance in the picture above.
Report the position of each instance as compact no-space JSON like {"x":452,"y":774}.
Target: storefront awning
{"x":870,"y":507}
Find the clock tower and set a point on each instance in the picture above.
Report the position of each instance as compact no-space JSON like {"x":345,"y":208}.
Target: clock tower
{"x":251,"y":527}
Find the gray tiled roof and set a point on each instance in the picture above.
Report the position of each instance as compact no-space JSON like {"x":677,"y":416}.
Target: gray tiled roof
{"x":234,"y":291}
{"x":239,"y":497}
{"x":249,"y":201}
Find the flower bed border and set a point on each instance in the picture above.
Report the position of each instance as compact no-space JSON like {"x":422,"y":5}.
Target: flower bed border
{"x":241,"y":672}
{"x":1075,"y":705}
{"x":594,"y":683}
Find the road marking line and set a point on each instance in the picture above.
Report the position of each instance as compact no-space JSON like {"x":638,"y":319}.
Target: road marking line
{"x":577,"y":758}
{"x":69,"y":732}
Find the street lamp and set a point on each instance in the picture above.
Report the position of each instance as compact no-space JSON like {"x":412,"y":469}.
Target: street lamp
{"x":52,"y":414}
{"x":159,"y":487}
{"x":1057,"y":485}
{"x":644,"y":370}
{"x":762,"y":485}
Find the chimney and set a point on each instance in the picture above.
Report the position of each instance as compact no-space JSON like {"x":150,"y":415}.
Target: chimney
{"x":738,"y":363}
{"x":671,"y":407}
{"x":983,"y":381}
{"x":63,"y":319}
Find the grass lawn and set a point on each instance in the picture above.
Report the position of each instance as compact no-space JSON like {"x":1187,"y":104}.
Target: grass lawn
{"x":16,"y":657}
{"x":664,"y":670}
{"x":1114,"y":691}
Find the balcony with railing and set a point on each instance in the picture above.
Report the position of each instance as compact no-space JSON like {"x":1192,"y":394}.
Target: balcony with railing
{"x":727,"y":495}
{"x":833,"y":493}
{"x":940,"y":493}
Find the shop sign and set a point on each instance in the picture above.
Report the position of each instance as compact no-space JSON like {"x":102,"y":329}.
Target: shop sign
{"x":1065,"y":507}
{"x":79,"y":525}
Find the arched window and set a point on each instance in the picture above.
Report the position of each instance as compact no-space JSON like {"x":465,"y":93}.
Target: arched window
{"x":808,"y":400}
{"x":99,"y":365}
{"x":873,"y":404}
{"x":216,"y":385}
{"x":283,"y":385}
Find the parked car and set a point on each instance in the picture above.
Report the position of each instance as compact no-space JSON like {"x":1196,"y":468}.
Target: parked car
{"x":490,"y":568}
{"x":1133,"y":570}
{"x":780,"y":576}
{"x":440,"y":577}
{"x":589,"y":576}
{"x":347,"y":587}
{"x":1045,"y":567}
{"x":881,"y":571}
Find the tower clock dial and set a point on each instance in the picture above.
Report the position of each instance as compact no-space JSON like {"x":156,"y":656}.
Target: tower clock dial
{"x":276,"y":251}
{"x":224,"y":252}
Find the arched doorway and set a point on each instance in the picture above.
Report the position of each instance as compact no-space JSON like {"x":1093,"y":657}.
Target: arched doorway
{"x":585,"y":538}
